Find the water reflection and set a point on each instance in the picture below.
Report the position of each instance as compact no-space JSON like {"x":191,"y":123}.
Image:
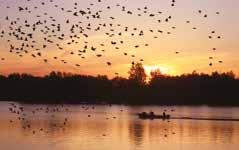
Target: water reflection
{"x":110,"y":128}
{"x":136,"y":131}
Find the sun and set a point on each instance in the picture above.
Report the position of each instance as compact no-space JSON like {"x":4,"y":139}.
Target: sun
{"x":164,"y":69}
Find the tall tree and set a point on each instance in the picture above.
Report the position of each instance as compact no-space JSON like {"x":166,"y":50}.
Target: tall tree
{"x":137,"y":74}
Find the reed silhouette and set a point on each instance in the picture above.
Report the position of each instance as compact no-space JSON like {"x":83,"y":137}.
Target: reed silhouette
{"x":59,"y":87}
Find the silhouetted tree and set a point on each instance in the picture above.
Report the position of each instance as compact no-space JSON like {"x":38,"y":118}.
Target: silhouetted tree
{"x":137,"y":74}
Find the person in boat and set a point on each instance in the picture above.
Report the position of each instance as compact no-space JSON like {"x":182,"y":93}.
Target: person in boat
{"x":151,"y":114}
{"x":164,"y":115}
{"x":143,"y":115}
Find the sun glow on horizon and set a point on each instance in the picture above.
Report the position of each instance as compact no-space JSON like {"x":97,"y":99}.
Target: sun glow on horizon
{"x":164,"y":69}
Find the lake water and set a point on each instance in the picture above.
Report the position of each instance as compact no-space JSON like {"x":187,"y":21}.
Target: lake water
{"x":116,"y":127}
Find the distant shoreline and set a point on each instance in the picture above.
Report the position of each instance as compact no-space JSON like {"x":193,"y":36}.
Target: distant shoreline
{"x":217,"y":89}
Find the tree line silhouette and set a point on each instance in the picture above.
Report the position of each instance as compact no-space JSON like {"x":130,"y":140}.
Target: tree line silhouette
{"x":187,"y":89}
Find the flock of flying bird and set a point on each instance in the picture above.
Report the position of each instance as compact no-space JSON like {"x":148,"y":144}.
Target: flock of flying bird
{"x":35,"y":37}
{"x":24,"y":116}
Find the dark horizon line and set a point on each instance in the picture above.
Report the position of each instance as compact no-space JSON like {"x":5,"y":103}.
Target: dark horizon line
{"x":88,"y":75}
{"x":219,"y":89}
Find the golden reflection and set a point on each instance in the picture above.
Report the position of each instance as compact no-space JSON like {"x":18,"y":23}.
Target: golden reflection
{"x":109,"y":128}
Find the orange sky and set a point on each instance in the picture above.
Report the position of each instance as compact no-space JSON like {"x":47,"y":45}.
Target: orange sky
{"x":194,"y":46}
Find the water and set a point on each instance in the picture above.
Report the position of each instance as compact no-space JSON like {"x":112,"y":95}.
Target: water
{"x":101,"y":131}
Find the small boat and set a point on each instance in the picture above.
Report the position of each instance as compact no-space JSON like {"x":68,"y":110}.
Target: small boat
{"x":152,"y":116}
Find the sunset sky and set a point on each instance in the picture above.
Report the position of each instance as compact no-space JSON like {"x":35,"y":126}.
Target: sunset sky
{"x":194,"y":46}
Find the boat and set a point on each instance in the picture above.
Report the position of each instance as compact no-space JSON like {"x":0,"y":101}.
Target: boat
{"x":151,"y":115}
